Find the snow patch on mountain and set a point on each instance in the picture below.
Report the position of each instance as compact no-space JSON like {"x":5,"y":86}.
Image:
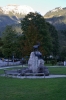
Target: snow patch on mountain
{"x":19,"y":9}
{"x":56,"y":9}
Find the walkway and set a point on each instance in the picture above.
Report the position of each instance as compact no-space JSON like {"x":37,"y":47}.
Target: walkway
{"x":34,"y":77}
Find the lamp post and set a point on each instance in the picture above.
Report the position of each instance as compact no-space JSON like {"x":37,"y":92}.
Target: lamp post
{"x":13,"y":59}
{"x":22,"y":61}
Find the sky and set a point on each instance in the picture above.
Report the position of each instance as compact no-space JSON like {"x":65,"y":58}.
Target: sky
{"x":40,"y":6}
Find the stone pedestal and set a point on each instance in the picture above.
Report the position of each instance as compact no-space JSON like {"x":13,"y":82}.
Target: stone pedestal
{"x":34,"y":62}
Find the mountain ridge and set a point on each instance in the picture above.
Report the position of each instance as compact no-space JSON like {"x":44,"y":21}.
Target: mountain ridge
{"x":16,"y":9}
{"x":58,"y":11}
{"x":13,"y":14}
{"x":57,"y":17}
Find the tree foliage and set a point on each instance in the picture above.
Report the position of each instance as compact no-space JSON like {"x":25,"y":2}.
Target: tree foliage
{"x":9,"y":42}
{"x":35,"y":29}
{"x":55,"y":42}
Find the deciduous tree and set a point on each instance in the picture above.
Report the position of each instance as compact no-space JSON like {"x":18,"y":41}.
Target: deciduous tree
{"x":35,"y":30}
{"x":9,"y":42}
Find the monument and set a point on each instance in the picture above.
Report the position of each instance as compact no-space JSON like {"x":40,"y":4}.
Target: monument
{"x":33,"y":61}
{"x":36,"y":62}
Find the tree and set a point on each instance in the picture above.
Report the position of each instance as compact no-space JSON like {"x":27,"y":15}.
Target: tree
{"x":54,"y":35}
{"x":1,"y":44}
{"x":63,"y":53}
{"x":9,"y":42}
{"x":35,"y":30}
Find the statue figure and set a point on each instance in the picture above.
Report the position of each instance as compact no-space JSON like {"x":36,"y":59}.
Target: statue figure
{"x":34,"y":61}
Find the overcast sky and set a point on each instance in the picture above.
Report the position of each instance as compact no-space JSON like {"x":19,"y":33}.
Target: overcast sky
{"x":41,"y":6}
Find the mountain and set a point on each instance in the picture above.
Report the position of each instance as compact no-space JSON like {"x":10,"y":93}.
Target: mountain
{"x":12,"y":14}
{"x":57,"y":17}
{"x":16,"y":10}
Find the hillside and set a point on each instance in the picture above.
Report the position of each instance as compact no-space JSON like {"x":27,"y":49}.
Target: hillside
{"x":12,"y":15}
{"x":57,"y":17}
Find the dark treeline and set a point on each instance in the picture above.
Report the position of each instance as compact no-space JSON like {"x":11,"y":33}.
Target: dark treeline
{"x":34,"y":30}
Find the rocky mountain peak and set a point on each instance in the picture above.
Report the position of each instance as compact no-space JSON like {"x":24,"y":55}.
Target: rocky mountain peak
{"x":17,"y":9}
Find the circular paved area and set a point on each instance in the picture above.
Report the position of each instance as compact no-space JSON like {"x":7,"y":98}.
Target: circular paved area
{"x":34,"y":77}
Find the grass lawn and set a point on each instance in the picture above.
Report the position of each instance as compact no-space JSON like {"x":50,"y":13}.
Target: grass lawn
{"x":32,"y":89}
{"x":57,"y":70}
{"x":11,"y":68}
